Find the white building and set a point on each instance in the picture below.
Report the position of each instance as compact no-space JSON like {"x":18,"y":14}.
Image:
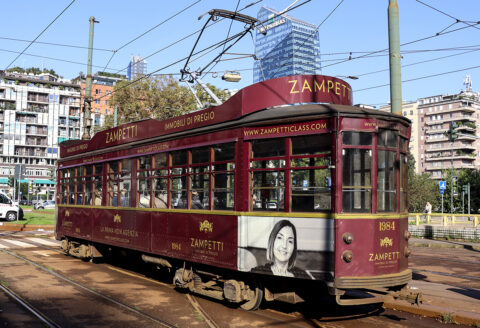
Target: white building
{"x":36,"y":113}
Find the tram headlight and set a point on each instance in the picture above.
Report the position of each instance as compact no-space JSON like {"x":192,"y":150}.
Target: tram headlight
{"x":347,"y":256}
{"x":347,"y":238}
{"x":407,"y":251}
{"x":407,"y":235}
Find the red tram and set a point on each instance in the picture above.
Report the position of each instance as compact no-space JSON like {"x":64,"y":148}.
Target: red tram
{"x":283,"y":189}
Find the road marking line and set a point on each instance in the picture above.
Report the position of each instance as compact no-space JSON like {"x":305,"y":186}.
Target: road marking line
{"x":19,"y":243}
{"x":4,"y":247}
{"x":43,"y":241}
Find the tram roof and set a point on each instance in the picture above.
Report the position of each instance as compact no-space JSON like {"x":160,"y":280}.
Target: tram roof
{"x":301,"y":96}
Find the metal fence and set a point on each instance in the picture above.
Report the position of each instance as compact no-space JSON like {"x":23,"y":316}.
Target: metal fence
{"x":444,"y":219}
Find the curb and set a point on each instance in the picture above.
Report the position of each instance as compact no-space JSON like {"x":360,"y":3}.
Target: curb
{"x":25,"y":227}
{"x":436,"y":312}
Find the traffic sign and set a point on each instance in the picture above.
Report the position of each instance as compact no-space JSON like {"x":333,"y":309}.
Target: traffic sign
{"x":443,"y":185}
{"x":441,"y":191}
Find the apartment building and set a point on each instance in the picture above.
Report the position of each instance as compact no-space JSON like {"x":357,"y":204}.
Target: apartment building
{"x":37,"y":112}
{"x":436,"y":114}
{"x":102,"y":87}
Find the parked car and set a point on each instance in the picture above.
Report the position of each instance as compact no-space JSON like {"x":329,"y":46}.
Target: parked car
{"x":9,"y":210}
{"x":25,"y":202}
{"x":48,"y":204}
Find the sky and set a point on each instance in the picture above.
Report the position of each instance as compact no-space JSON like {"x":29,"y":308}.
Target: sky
{"x":439,"y":45}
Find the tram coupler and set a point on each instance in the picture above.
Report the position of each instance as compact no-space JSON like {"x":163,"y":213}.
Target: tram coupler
{"x":412,"y":295}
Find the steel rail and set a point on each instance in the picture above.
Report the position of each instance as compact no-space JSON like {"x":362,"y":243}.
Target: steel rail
{"x":81,"y":286}
{"x":50,"y":323}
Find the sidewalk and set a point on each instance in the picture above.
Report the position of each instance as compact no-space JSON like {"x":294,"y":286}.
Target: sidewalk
{"x":442,"y":301}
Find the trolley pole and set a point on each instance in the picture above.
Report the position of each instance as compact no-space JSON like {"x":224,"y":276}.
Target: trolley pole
{"x":88,"y":85}
{"x":395,"y":66}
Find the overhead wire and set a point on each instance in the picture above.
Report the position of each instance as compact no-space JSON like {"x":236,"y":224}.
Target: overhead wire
{"x":444,"y":13}
{"x":420,"y":78}
{"x":55,"y":44}
{"x":149,"y":30}
{"x":189,"y":35}
{"x":46,"y":28}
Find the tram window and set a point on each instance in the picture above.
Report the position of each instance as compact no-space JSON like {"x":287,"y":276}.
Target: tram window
{"x":179,"y":157}
{"x":178,"y":193}
{"x":160,"y":199}
{"x":268,"y":148}
{"x":403,"y":144}
{"x":88,"y":184}
{"x":160,"y":160}
{"x":386,"y":186}
{"x":357,"y":138}
{"x":143,"y":181}
{"x":112,"y":184}
{"x":268,"y":190}
{"x":125,"y":182}
{"x":311,"y":190}
{"x":71,"y":186}
{"x":312,"y":145}
{"x":224,"y":152}
{"x":201,"y":155}
{"x":357,"y":183}
{"x":387,"y":138}
{"x":199,"y":191}
{"x":64,"y":179}
{"x":97,"y":201}
{"x":223,"y":191}
{"x":403,"y":182}
{"x":223,"y":177}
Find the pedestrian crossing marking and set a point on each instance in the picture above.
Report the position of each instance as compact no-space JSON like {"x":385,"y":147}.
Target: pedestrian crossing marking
{"x":3,"y":246}
{"x":18,"y":243}
{"x":45,"y":242}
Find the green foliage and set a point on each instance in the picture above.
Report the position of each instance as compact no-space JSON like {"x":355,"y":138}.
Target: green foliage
{"x":160,"y":98}
{"x":119,"y":76}
{"x":11,"y":180}
{"x":423,"y":189}
{"x":34,"y":70}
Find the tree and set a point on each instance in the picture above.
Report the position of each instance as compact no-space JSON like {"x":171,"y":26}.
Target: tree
{"x":160,"y":98}
{"x":423,"y":189}
{"x":11,"y":181}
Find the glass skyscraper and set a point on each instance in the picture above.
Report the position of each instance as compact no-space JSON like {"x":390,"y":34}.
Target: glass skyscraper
{"x":285,"y":45}
{"x":136,"y":67}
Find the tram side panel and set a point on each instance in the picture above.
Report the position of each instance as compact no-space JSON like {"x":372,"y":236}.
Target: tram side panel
{"x":203,"y":238}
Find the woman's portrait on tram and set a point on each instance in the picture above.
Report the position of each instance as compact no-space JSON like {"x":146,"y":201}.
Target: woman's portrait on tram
{"x":281,"y":251}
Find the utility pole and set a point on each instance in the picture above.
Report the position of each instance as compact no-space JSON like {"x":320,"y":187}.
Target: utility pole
{"x":395,"y":65}
{"x":88,"y":85}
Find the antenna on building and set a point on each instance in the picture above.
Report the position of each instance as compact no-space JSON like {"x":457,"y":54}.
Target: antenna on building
{"x":467,"y":82}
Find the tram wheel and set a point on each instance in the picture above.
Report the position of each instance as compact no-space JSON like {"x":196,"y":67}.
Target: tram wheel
{"x":254,"y":303}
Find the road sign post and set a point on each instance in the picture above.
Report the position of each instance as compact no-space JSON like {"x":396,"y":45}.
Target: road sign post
{"x":443,"y":186}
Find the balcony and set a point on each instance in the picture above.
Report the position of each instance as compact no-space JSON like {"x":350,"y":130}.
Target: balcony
{"x":38,"y":132}
{"x":467,"y":109}
{"x":456,"y":146}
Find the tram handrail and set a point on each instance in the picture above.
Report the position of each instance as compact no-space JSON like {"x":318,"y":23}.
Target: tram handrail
{"x":444,"y":219}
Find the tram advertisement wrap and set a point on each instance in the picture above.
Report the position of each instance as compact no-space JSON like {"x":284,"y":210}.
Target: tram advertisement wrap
{"x":290,"y":247}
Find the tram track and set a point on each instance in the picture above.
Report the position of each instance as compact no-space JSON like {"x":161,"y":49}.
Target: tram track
{"x":30,"y":308}
{"x":81,"y":286}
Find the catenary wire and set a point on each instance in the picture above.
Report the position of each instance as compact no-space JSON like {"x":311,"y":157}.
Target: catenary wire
{"x":188,"y":36}
{"x":149,"y":30}
{"x":55,"y":44}
{"x":50,"y":24}
{"x":421,"y":78}
{"x":444,"y":13}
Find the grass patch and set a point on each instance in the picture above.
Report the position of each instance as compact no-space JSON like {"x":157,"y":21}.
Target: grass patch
{"x":44,"y":217}
{"x":448,"y":318}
